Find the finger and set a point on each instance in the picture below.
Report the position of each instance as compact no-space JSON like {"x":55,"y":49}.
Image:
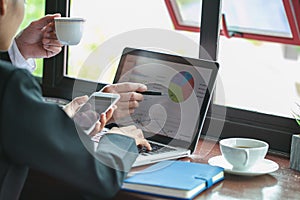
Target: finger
{"x":51,"y":43}
{"x":125,"y":87}
{"x":114,"y":107}
{"x":44,"y":21}
{"x":78,"y":102}
{"x":50,"y":35}
{"x":86,"y":107}
{"x":81,"y":99}
{"x":51,"y":54}
{"x":52,"y":50}
{"x":131,"y":96}
{"x":49,"y":27}
{"x":103,"y":121}
{"x":96,"y":129}
{"x":109,"y":114}
{"x":128,"y":105}
{"x":145,"y":143}
{"x":50,"y":38}
{"x":47,"y":39}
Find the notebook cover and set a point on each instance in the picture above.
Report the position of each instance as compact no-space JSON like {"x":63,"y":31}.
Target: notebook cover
{"x":177,"y":175}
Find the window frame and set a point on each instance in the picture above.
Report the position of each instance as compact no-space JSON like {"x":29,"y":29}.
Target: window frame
{"x":55,"y":84}
{"x":276,"y":130}
{"x":292,"y":8}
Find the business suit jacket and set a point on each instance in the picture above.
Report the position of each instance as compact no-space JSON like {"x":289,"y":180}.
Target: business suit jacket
{"x":39,"y":135}
{"x":4,"y":56}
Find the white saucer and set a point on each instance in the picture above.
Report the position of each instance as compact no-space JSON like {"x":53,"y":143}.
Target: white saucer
{"x":264,"y":167}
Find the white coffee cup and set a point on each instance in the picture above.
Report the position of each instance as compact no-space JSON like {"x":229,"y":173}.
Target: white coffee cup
{"x":69,"y":30}
{"x":243,"y":153}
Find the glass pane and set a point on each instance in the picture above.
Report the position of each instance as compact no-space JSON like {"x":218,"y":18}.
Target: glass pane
{"x":114,"y":19}
{"x":254,"y":75}
{"x":34,"y":9}
{"x":258,"y":76}
{"x":190,"y":12}
{"x":257,"y":16}
{"x":246,"y":16}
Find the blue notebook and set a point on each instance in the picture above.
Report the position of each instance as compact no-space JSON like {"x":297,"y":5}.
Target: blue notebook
{"x":176,"y":179}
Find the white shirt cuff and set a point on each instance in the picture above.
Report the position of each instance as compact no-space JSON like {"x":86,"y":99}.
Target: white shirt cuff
{"x":18,"y":60}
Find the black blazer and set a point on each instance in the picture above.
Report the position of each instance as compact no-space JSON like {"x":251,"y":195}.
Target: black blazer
{"x":40,"y":136}
{"x":4,"y":56}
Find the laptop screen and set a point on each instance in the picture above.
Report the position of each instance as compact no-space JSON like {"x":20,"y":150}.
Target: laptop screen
{"x":181,"y":90}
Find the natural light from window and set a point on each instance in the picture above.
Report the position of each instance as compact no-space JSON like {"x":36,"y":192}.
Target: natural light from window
{"x":256,"y":76}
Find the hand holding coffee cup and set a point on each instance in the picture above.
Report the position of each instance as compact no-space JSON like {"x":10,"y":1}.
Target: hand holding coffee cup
{"x":69,"y":30}
{"x":243,"y":153}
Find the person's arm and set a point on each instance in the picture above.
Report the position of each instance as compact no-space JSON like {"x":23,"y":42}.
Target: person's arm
{"x":18,"y":60}
{"x":37,"y":40}
{"x":41,"y":136}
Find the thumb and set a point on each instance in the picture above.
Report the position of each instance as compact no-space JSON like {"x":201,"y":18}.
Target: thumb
{"x":72,"y":107}
{"x":42,"y":22}
{"x":78,"y":102}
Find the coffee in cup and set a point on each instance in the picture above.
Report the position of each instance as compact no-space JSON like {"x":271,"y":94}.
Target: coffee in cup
{"x":243,"y":153}
{"x":69,"y":30}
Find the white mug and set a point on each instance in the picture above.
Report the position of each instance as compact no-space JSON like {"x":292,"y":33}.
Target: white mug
{"x":243,"y":153}
{"x":69,"y":30}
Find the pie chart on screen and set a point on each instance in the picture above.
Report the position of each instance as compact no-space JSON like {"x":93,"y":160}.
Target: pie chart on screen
{"x":181,"y":87}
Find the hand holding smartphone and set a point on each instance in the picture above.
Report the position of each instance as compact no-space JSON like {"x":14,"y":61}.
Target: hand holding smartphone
{"x":89,"y":113}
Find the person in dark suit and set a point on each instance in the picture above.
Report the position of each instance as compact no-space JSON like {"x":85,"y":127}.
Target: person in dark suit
{"x":41,"y":136}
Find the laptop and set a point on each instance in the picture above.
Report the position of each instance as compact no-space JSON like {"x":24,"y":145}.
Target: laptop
{"x":173,"y":111}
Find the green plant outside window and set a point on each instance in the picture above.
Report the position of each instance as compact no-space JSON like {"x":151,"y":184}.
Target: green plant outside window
{"x":34,"y":9}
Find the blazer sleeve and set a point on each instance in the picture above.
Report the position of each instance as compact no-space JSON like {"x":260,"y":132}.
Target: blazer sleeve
{"x":5,"y":56}
{"x":41,"y":136}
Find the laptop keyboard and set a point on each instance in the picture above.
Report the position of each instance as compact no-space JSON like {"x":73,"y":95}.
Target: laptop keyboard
{"x":156,"y":148}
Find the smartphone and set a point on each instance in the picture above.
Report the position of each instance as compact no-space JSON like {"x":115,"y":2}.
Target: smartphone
{"x":89,"y":113}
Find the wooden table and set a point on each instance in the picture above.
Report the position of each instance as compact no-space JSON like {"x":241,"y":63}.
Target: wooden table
{"x":281,"y":184}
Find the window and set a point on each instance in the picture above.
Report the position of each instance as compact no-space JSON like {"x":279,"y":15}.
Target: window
{"x":276,"y":20}
{"x":114,"y":18}
{"x":34,"y":9}
{"x":251,"y":84}
{"x":253,"y":71}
